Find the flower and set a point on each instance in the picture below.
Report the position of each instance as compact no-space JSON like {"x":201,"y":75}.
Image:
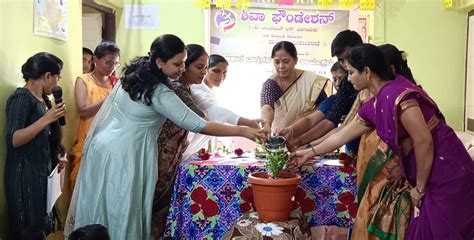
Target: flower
{"x":307,"y":205}
{"x":245,"y":207}
{"x":203,"y":154}
{"x":347,"y":159}
{"x":244,"y":222}
{"x":210,"y":208}
{"x":341,"y":207}
{"x":346,"y":197}
{"x":199,"y":195}
{"x":195,"y":208}
{"x":268,"y":229}
{"x":239,"y":152}
{"x":353,"y":209}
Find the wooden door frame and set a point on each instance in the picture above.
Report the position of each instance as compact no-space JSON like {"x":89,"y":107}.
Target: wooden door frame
{"x":108,"y":28}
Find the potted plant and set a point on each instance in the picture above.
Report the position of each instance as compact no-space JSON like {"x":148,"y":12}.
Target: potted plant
{"x":274,"y":190}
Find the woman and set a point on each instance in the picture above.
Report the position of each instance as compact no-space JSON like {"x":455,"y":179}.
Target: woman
{"x":116,"y":183}
{"x":33,"y":146}
{"x":378,"y":170}
{"x":172,"y":141}
{"x":205,"y":99}
{"x":203,"y":95}
{"x":87,"y":56}
{"x":289,"y":93}
{"x":89,"y":92}
{"x":432,"y":158}
{"x":338,"y":74}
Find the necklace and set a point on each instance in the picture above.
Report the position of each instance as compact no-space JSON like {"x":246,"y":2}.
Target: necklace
{"x":283,"y":88}
{"x":97,"y":82}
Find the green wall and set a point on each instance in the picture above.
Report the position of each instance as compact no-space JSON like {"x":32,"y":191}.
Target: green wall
{"x":178,"y":17}
{"x":435,"y":40}
{"x":17,"y":43}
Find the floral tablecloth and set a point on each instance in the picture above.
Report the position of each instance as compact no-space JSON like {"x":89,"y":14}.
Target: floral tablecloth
{"x":209,"y":196}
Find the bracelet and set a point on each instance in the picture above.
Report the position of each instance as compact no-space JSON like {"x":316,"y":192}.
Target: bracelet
{"x":422,"y":193}
{"x":309,"y":145}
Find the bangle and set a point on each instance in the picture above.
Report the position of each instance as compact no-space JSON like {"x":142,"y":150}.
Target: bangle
{"x":309,"y":145}
{"x":421,"y":192}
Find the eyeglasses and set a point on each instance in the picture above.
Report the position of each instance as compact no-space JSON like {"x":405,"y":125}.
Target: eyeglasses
{"x":111,"y":64}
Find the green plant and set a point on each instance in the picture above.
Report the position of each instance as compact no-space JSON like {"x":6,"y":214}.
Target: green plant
{"x":276,"y":162}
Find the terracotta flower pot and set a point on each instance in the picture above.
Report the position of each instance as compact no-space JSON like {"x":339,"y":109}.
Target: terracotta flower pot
{"x":274,"y":197}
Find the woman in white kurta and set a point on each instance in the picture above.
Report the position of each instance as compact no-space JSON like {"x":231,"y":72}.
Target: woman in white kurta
{"x":206,"y":101}
{"x":118,"y":173}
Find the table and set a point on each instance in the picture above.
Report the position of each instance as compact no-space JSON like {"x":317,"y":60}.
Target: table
{"x":209,"y":196}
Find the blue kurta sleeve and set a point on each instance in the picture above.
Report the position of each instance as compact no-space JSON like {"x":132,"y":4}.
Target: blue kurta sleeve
{"x":168,"y":104}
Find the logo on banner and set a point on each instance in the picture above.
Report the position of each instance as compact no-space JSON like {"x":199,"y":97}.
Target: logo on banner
{"x":225,"y":19}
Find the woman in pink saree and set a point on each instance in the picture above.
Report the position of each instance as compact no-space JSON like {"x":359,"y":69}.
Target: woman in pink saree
{"x":432,"y":157}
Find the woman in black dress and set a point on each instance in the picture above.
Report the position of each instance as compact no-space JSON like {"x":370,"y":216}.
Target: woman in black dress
{"x":33,"y":146}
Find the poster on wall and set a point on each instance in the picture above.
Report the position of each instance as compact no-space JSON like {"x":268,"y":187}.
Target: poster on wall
{"x":246,"y":38}
{"x":50,"y":19}
{"x":141,"y":16}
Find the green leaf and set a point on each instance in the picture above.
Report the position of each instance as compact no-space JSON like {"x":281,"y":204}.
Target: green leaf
{"x":191,"y":168}
{"x":342,"y":177}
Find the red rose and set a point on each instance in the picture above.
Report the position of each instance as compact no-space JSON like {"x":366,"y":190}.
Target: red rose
{"x":353,"y":210}
{"x":346,"y":169}
{"x":201,"y":151}
{"x":341,"y":207}
{"x":307,"y":205}
{"x":343,"y":156}
{"x":346,"y":198}
{"x":195,"y":208}
{"x":199,"y":195}
{"x":205,"y":156}
{"x":247,"y":194}
{"x":245,"y":207}
{"x":210,"y":208}
{"x":239,"y":152}
{"x":295,"y":205}
{"x":300,"y":194}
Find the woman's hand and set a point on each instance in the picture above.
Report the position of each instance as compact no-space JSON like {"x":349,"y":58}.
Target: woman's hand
{"x":268,"y":131}
{"x":254,"y":134}
{"x":256,"y":123}
{"x":299,"y":158}
{"x":62,"y":162}
{"x":416,"y":197}
{"x":293,"y":144}
{"x":55,"y":113}
{"x":285,"y":132}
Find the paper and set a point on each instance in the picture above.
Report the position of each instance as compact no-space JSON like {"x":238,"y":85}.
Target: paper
{"x":141,"y":16}
{"x":54,"y":189}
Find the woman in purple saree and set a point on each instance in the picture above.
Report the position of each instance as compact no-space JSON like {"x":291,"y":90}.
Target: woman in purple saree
{"x":433,"y":159}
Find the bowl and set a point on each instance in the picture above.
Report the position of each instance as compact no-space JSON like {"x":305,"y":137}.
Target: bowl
{"x":275,"y":143}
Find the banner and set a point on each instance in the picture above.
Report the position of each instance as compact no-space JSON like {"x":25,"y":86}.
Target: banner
{"x":246,"y":38}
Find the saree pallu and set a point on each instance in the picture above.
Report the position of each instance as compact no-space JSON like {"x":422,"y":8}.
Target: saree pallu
{"x":95,"y":94}
{"x":445,"y":212}
{"x":384,"y":206}
{"x":298,"y":100}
